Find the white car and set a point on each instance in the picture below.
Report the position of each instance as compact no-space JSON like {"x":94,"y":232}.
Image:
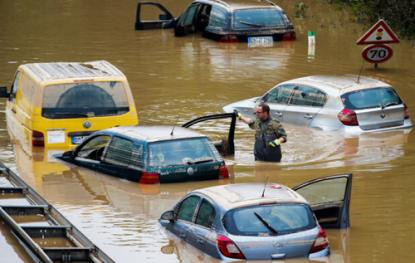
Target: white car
{"x":351,"y":103}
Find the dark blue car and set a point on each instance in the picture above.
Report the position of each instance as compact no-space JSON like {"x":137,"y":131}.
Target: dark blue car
{"x":259,"y":23}
{"x":150,"y":154}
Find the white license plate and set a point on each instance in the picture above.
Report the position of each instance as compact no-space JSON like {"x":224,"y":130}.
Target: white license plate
{"x":260,"y":41}
{"x":77,"y":139}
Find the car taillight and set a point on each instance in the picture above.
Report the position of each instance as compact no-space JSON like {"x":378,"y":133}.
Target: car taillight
{"x":406,"y":110}
{"x":228,"y":248}
{"x":348,"y":117}
{"x":321,"y":242}
{"x":289,"y":36}
{"x":229,"y":39}
{"x":223,"y":172}
{"x":38,"y":139}
{"x":149,"y":178}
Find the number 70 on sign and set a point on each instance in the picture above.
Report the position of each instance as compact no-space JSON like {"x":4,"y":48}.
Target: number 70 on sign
{"x":377,"y":53}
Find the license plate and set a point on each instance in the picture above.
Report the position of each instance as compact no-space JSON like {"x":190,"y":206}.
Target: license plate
{"x":77,"y":139}
{"x":260,"y":41}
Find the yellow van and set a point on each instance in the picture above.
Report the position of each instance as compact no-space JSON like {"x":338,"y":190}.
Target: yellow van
{"x":58,"y":104}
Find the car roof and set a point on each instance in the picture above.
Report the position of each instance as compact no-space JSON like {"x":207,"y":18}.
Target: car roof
{"x":237,"y":195}
{"x":235,"y":4}
{"x":338,"y":84}
{"x":154,"y":133}
{"x":53,"y":71}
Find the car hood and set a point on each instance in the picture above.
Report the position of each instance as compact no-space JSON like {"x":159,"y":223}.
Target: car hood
{"x":242,"y":104}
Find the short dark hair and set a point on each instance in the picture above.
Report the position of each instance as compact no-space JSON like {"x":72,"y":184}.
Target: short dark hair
{"x":264,"y":107}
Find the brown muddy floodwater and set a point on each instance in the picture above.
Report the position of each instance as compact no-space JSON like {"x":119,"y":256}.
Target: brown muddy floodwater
{"x":176,"y":79}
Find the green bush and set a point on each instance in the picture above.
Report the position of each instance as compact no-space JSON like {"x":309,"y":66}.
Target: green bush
{"x":400,"y":14}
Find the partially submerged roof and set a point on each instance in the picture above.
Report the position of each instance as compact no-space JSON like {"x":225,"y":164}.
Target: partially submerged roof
{"x":155,"y":133}
{"x":237,"y":195}
{"x":339,"y":84}
{"x":235,"y":4}
{"x":72,"y":70}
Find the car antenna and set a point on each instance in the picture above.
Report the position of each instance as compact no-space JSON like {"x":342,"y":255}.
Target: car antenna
{"x":265,"y":186}
{"x":174,"y":126}
{"x":360,"y":72}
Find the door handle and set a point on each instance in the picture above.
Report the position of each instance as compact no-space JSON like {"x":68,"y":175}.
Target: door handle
{"x":200,"y":241}
{"x":182,"y":235}
{"x":308,"y":116}
{"x":279,"y":114}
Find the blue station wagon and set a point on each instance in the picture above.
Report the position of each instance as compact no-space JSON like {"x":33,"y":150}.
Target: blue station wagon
{"x":262,"y":222}
{"x":259,"y":23}
{"x":150,"y":154}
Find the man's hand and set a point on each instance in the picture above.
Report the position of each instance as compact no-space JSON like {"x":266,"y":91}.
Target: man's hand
{"x":238,"y":114}
{"x":274,"y":143}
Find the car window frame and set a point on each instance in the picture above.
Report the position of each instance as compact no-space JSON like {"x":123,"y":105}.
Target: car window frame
{"x":211,"y":226}
{"x":115,"y":162}
{"x":178,"y":206}
{"x":299,"y":87}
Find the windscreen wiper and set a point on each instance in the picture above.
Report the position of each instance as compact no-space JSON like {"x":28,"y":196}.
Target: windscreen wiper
{"x":250,"y":24}
{"x":266,"y":224}
{"x":204,"y":160}
{"x":389,"y":104}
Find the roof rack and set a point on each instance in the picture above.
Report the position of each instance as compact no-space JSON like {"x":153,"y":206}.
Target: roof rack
{"x":221,"y":2}
{"x":38,"y":220}
{"x":269,"y":2}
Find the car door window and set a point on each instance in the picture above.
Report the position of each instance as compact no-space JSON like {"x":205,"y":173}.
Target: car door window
{"x":326,"y":190}
{"x":14,"y":86}
{"x":187,"y":18}
{"x":93,"y":148}
{"x":217,"y":18}
{"x":187,"y":208}
{"x":119,"y":152}
{"x":307,"y":96}
{"x":280,"y":94}
{"x":206,"y":214}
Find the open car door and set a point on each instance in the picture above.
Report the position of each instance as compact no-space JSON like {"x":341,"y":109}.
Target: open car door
{"x":165,"y":18}
{"x":226,"y":146}
{"x":329,"y":198}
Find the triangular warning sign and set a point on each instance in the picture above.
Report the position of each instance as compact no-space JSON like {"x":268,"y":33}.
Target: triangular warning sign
{"x":380,"y":33}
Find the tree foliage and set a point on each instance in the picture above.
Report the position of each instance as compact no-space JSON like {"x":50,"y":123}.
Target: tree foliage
{"x":400,"y":14}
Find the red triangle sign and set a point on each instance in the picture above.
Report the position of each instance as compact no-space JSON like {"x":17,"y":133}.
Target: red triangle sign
{"x":380,"y":33}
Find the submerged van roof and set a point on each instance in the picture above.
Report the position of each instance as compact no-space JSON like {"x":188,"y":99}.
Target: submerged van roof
{"x":72,"y":70}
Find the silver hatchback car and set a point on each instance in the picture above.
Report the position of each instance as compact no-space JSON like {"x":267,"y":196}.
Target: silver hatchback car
{"x":349,"y":103}
{"x":257,"y":221}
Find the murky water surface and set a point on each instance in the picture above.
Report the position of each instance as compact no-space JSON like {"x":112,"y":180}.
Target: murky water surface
{"x":176,"y":79}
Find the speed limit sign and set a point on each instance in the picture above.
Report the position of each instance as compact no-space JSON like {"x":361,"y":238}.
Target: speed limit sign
{"x":377,"y":53}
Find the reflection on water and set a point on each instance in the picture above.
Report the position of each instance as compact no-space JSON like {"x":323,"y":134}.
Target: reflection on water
{"x":177,"y":79}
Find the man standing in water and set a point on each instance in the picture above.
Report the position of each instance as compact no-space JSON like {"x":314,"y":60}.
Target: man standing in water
{"x":269,"y":134}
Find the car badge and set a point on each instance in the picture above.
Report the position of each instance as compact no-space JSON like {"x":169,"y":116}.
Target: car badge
{"x":86,"y":124}
{"x":190,"y":171}
{"x":382,"y":115}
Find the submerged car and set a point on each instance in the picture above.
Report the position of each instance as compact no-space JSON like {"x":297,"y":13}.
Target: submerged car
{"x":150,"y":154}
{"x":258,"y":23}
{"x":349,"y":103}
{"x":57,"y":104}
{"x":262,"y":222}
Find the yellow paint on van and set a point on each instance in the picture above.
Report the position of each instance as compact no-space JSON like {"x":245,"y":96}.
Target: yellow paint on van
{"x":24,"y":107}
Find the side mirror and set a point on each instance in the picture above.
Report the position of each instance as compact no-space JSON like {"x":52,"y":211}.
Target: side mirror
{"x":168,"y":215}
{"x":68,"y":154}
{"x":4,"y":93}
{"x":164,"y":17}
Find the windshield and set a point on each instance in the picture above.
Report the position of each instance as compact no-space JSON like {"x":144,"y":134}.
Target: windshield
{"x":254,"y":18}
{"x":371,"y":98}
{"x":264,"y":220}
{"x":180,"y":152}
{"x":78,"y":100}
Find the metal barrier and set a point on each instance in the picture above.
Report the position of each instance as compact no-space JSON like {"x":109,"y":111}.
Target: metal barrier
{"x":46,"y":223}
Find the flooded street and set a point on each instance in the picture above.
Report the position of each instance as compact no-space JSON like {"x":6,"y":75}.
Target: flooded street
{"x":176,"y":79}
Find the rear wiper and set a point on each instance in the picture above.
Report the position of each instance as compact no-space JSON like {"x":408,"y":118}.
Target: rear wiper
{"x":389,"y":104}
{"x":69,"y":114}
{"x":250,"y":24}
{"x":204,"y":160}
{"x":266,"y":224}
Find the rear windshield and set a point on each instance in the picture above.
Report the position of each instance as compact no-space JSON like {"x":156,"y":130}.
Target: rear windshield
{"x":78,"y":100}
{"x":371,"y":98}
{"x":254,"y":18}
{"x":185,"y":151}
{"x":264,"y":220}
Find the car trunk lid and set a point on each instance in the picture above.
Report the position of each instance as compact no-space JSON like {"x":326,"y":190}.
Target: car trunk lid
{"x":381,"y":117}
